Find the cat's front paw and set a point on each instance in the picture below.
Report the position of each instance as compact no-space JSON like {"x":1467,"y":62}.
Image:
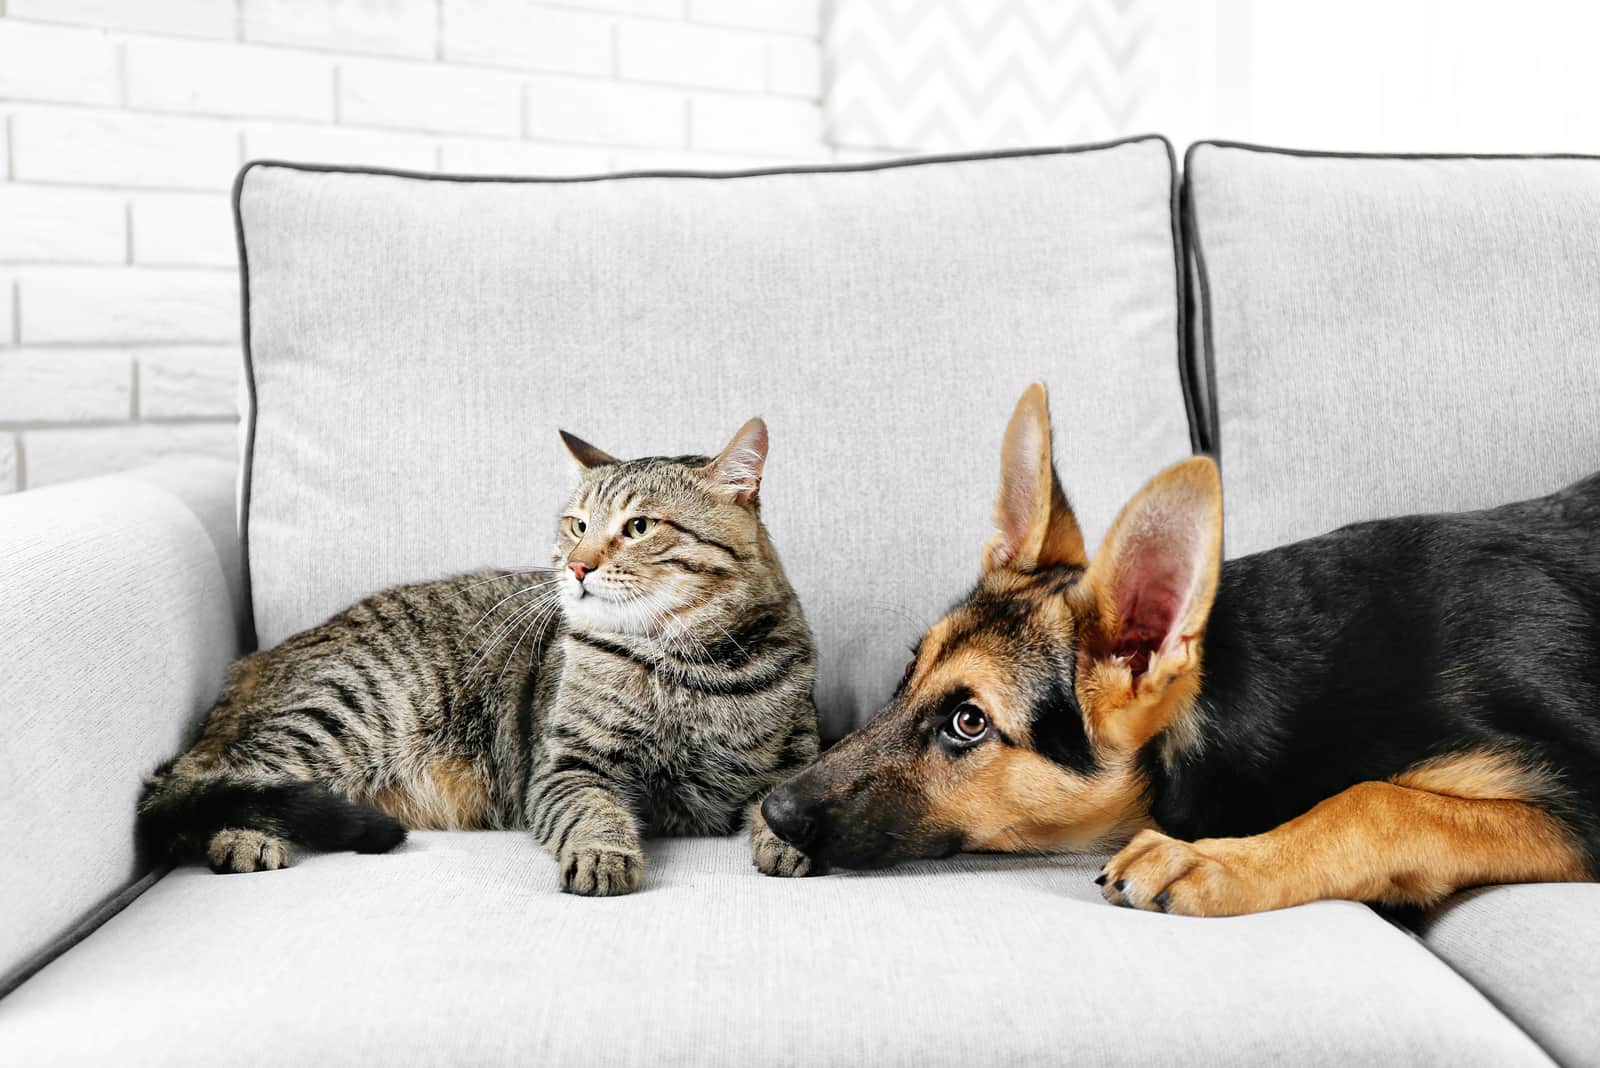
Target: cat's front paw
{"x":236,"y":850}
{"x":773,"y":856}
{"x":600,"y":871}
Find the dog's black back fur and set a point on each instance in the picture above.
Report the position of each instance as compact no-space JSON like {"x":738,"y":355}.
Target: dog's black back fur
{"x":1352,"y":656}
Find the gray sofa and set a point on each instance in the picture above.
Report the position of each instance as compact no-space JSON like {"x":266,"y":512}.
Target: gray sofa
{"x":1353,"y":336}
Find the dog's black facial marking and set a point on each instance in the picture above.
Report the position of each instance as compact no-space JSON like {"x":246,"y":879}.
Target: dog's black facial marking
{"x":990,"y":615}
{"x":1058,"y":731}
{"x":1061,"y":580}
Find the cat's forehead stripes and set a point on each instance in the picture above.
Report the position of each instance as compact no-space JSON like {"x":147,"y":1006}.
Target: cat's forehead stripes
{"x":650,"y":476}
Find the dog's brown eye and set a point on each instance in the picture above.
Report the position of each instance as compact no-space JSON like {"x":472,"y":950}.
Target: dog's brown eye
{"x":969,"y":723}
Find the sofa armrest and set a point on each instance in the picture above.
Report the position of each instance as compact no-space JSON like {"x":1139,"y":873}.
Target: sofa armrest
{"x":120,"y":610}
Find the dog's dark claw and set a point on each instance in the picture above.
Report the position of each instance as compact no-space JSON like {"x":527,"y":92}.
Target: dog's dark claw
{"x":1121,"y":884}
{"x":1100,"y":880}
{"x":1161,"y":900}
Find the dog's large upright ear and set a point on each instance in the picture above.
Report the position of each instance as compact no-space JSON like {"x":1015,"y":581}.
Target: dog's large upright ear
{"x":1033,"y":525}
{"x":586,"y":455}
{"x":1143,"y":603}
{"x":736,"y":472}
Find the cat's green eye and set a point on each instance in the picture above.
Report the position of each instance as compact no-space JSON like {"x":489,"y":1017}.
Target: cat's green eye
{"x":638,"y":526}
{"x":576,"y":526}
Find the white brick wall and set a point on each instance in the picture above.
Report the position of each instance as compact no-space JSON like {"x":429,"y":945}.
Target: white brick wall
{"x":123,"y":123}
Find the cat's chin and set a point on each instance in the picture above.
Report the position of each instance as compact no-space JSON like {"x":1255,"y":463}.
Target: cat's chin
{"x":598,"y":612}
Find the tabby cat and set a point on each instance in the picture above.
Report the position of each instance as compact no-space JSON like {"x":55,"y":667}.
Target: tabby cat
{"x":655,"y":680}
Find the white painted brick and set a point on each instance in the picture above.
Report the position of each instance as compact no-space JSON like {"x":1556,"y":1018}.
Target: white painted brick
{"x":511,"y":33}
{"x":8,"y":303}
{"x":604,"y":113}
{"x":681,"y":54}
{"x":87,"y":305}
{"x":671,"y":9}
{"x":180,"y":383}
{"x":62,"y":385}
{"x":227,"y":79}
{"x":42,"y":224}
{"x":64,"y":454}
{"x":521,"y":157}
{"x":794,"y":67}
{"x":757,"y":125}
{"x":418,"y":96}
{"x":186,"y":18}
{"x":125,"y":150}
{"x":8,"y":464}
{"x":339,"y":144}
{"x":788,"y":16}
{"x":57,"y":64}
{"x":183,"y":229}
{"x":387,"y":27}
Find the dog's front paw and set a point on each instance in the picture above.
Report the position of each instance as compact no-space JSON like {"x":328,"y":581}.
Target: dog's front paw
{"x":1162,"y":874}
{"x":593,"y":870}
{"x":773,"y":856}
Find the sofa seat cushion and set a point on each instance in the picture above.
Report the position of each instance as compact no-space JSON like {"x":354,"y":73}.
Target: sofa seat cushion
{"x":458,"y":949}
{"x":1534,"y":950}
{"x":1391,"y":335}
{"x":415,"y":343}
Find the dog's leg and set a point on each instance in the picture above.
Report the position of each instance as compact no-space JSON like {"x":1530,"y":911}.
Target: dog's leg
{"x":1376,"y":841}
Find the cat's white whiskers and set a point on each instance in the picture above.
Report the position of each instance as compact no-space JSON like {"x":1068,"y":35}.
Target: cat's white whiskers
{"x":505,"y":629}
{"x":532,"y":570}
{"x":536,"y":623}
{"x":494,"y":607}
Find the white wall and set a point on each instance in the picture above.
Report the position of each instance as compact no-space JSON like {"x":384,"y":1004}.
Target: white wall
{"x":124,"y":122}
{"x":1381,"y":75}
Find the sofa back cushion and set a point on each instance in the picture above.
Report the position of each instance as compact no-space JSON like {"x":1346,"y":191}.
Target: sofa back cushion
{"x":1389,"y":335}
{"x":415,"y":343}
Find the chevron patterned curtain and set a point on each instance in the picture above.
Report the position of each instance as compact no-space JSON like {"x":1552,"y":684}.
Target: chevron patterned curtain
{"x":934,"y":75}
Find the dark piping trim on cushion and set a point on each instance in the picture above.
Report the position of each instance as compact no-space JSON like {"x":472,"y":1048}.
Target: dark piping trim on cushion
{"x":80,"y":930}
{"x":247,"y":462}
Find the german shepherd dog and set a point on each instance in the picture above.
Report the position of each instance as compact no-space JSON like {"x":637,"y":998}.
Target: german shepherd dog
{"x":1385,"y":713}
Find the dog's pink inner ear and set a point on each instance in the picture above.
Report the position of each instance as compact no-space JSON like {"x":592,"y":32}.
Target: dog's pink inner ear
{"x":1154,"y":594}
{"x":1156,"y":573}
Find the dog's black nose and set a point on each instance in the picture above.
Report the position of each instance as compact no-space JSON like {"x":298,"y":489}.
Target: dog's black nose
{"x":791,"y":817}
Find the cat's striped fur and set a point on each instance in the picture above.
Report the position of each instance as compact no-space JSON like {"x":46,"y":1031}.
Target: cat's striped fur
{"x":657,"y":680}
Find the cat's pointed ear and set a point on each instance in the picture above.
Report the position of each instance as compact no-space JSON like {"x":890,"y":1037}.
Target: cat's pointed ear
{"x":1148,"y":592}
{"x":1033,"y":524}
{"x":586,"y":455}
{"x":736,"y":472}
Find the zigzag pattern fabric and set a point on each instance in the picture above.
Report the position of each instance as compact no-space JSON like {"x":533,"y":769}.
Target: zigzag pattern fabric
{"x":932,"y":75}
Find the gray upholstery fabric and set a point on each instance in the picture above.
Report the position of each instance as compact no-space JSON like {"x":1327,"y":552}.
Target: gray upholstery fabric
{"x":417,"y":343}
{"x":1396,"y":335}
{"x":459,"y":950}
{"x":1535,"y":951}
{"x":117,"y":624}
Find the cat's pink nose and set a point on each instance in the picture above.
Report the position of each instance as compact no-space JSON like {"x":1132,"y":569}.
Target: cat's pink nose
{"x":580,"y":569}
